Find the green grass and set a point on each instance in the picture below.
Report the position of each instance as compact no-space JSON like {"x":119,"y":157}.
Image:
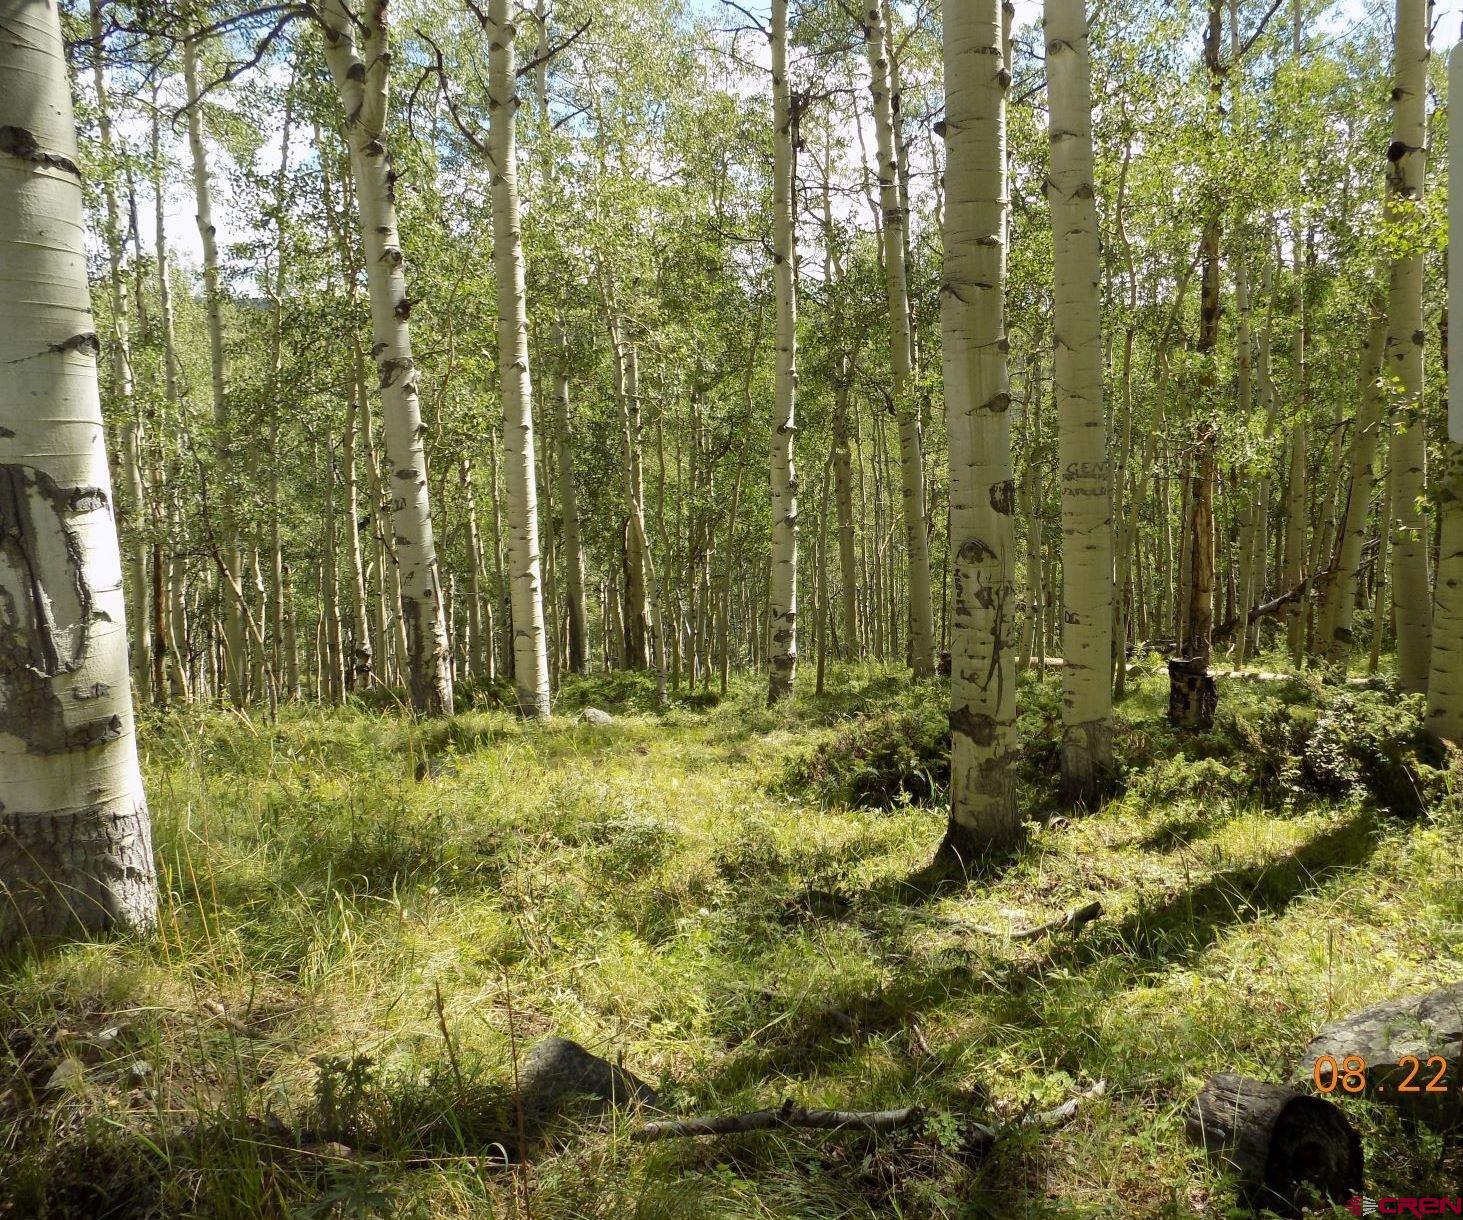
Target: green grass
{"x":645,"y":889}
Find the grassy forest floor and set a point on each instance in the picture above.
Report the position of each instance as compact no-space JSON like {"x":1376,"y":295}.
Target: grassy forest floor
{"x":730,"y":900}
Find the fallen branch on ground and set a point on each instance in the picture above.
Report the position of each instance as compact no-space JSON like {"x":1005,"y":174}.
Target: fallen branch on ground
{"x":1073,"y":921}
{"x":786,"y":1115}
{"x":790,"y":1115}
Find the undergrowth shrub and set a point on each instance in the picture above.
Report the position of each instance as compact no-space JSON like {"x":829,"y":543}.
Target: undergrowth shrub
{"x":1283,"y":742}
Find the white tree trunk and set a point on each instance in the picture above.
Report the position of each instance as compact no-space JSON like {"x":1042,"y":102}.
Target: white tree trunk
{"x":783,"y":589}
{"x":911,"y":455}
{"x":525,"y":580}
{"x":1402,"y":361}
{"x":75,"y":844}
{"x":1087,"y":578}
{"x":984,"y":816}
{"x":222,"y":519}
{"x":359,"y":58}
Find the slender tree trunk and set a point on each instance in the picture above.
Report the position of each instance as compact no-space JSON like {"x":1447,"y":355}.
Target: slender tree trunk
{"x":360,"y":71}
{"x":1340,"y":596}
{"x":1445,"y":680}
{"x":783,"y":591}
{"x":530,"y":652}
{"x":75,"y":841}
{"x":911,"y":464}
{"x":1296,"y":499}
{"x":984,"y":816}
{"x":226,"y":540}
{"x":128,"y":408}
{"x":1087,"y":527}
{"x":1402,"y":361}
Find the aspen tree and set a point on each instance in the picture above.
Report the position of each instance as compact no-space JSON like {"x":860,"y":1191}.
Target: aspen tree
{"x":75,"y":841}
{"x":984,"y":816}
{"x":1445,"y":680}
{"x":783,"y":589}
{"x":1087,"y":527}
{"x":357,"y":51}
{"x":1402,"y":357}
{"x":225,"y":539}
{"x":911,"y":443}
{"x":525,"y":579}
{"x":1340,"y":596}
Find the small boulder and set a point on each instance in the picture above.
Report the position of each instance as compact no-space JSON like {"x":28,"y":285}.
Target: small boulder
{"x":593,"y":715}
{"x":435,"y":768}
{"x":558,"y":1074}
{"x":69,"y":1074}
{"x":1397,"y":1039}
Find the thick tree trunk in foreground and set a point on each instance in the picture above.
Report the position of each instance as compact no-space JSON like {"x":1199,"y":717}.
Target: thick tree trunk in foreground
{"x":984,"y":816}
{"x":525,"y":579}
{"x":1087,"y":577}
{"x":783,"y":590}
{"x":75,"y":844}
{"x":1402,"y":361}
{"x":911,"y":454}
{"x":361,"y":78}
{"x":1445,"y":682}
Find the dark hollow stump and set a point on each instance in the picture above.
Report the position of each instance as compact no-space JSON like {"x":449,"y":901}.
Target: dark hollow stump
{"x":1192,"y":693}
{"x":1413,"y":1050}
{"x":1285,"y":1148}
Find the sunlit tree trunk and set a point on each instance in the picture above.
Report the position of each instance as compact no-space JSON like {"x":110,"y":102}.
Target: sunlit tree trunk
{"x":222,"y":518}
{"x":911,"y":455}
{"x":525,"y":578}
{"x":1402,"y":360}
{"x":783,"y":590}
{"x":1087,"y":528}
{"x":358,"y":54}
{"x":984,"y":816}
{"x":1296,"y":499}
{"x":75,"y":843}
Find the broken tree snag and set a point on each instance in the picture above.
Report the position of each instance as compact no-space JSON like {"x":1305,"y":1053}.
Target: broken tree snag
{"x":786,"y":1115}
{"x":1405,"y":1045}
{"x":1192,"y":693}
{"x":1285,"y":1148}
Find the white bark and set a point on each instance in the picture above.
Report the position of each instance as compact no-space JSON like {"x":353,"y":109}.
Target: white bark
{"x":911,"y":455}
{"x":983,"y":812}
{"x":525,"y":579}
{"x":359,"y":57}
{"x":223,"y":523}
{"x":783,"y":589}
{"x":75,"y":844}
{"x":1402,"y":361}
{"x":1087,"y":579}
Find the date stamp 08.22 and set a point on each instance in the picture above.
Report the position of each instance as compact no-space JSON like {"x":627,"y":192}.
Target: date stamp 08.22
{"x":1406,"y":1074}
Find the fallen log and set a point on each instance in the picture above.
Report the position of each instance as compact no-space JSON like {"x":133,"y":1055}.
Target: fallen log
{"x":1400,"y":1047}
{"x":1283,"y":1147}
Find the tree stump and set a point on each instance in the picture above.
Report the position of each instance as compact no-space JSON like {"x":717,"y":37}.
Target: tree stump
{"x":1285,"y":1148}
{"x":1406,"y":1044}
{"x":1192,"y":693}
